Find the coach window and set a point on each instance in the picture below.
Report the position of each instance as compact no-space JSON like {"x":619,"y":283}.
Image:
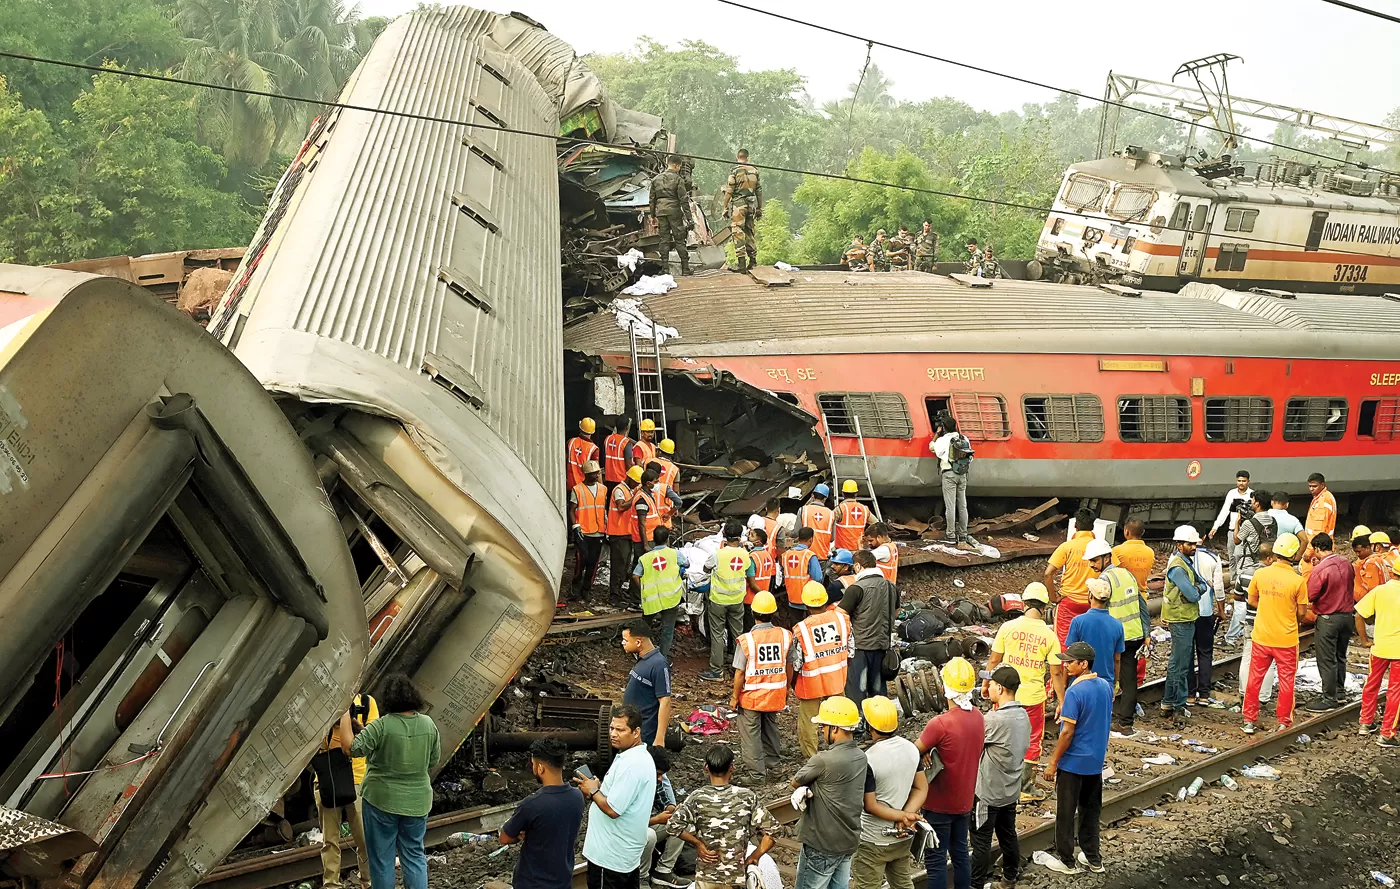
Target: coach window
{"x":1198,"y":217}
{"x":879,"y":414}
{"x":981,"y":416}
{"x":1315,"y":419}
{"x":1378,"y":419}
{"x":1239,"y":418}
{"x":1240,"y":220}
{"x":1154,"y":418}
{"x":1063,"y":417}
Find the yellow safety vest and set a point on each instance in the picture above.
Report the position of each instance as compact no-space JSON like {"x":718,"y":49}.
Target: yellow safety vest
{"x":661,"y":580}
{"x":1123,"y":601}
{"x":727,"y":581}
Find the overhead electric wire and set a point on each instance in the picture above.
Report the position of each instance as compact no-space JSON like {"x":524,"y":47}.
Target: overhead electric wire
{"x":497,"y":128}
{"x":1036,"y":83}
{"x":1364,"y":10}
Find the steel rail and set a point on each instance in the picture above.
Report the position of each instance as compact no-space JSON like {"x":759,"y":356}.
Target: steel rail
{"x":1151,"y":692}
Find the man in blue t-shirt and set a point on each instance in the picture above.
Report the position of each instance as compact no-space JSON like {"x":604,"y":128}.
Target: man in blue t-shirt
{"x":1102,"y":631}
{"x":1076,"y":766}
{"x":648,"y":683}
{"x":546,"y":823}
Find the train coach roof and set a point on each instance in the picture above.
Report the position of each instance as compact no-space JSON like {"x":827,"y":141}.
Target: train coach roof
{"x":725,"y":314}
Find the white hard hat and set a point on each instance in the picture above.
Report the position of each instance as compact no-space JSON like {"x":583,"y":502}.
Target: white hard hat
{"x":1095,"y":549}
{"x":1186,"y":534}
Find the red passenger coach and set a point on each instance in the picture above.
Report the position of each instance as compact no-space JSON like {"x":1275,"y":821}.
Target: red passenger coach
{"x":1114,"y":393}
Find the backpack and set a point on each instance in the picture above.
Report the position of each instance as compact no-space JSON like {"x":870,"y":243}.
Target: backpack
{"x":1005,"y":604}
{"x":335,"y":778}
{"x":1261,"y":524}
{"x":960,"y":454}
{"x":924,"y":624}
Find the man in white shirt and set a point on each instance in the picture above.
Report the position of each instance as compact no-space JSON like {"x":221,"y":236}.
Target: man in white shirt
{"x":1236,"y":499}
{"x":953,"y":476}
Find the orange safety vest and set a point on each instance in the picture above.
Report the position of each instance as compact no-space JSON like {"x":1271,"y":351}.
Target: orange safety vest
{"x":891,"y":568}
{"x":826,"y":643}
{"x":820,"y":520}
{"x":763,"y":572}
{"x":765,"y":672}
{"x":847,"y":580}
{"x":664,"y":507}
{"x":770,"y":527}
{"x":795,"y":576}
{"x":581,"y":450}
{"x":615,"y":449}
{"x":670,"y":473}
{"x":648,"y":452}
{"x":653,"y":516}
{"x":622,"y":521}
{"x":592,"y":509}
{"x":851,"y":517}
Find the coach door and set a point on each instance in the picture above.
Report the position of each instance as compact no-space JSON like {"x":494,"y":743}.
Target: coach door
{"x":1193,"y":242}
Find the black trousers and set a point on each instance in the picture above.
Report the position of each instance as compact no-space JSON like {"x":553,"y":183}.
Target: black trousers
{"x":587,"y":552}
{"x":1081,"y":796}
{"x":1127,"y":702}
{"x":1001,"y":820}
{"x":1330,"y":639}
{"x":1205,"y":653}
{"x":602,"y":878}
{"x":624,"y":557}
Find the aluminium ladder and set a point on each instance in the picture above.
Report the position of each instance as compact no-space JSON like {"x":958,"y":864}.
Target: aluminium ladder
{"x":864,"y":462}
{"x":646,"y":382}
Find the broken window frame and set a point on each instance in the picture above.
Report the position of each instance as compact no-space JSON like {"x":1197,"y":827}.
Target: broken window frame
{"x":1063,"y":418}
{"x":1378,"y":419}
{"x":1309,"y":418}
{"x":1154,"y":419}
{"x":1239,"y":418}
{"x":981,"y":416}
{"x":881,"y":414}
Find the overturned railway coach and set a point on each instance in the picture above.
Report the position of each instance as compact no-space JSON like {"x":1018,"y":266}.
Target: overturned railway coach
{"x":1120,"y":394}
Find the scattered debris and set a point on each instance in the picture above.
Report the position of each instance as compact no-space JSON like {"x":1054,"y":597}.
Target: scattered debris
{"x":1263,"y":770}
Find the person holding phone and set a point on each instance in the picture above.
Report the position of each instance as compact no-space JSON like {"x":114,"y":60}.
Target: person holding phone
{"x":620,"y":806}
{"x":546,"y":824}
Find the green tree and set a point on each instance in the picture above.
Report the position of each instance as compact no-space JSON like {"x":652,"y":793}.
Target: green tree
{"x":774,"y":234}
{"x":31,"y":164}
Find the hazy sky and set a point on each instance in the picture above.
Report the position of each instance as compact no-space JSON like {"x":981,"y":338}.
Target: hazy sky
{"x":1303,"y":53}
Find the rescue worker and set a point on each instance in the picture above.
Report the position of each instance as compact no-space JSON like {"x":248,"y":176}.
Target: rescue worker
{"x":1070,"y":594}
{"x":588,"y":507}
{"x":1281,"y":597}
{"x":644,"y":448}
{"x":670,"y":207}
{"x":850,"y":516}
{"x":581,"y":450}
{"x":363,"y":710}
{"x":832,"y":788}
{"x":1128,"y":606}
{"x":894,"y":793}
{"x":823,"y":649}
{"x":1027,"y":643}
{"x":885,"y":550}
{"x":1134,"y":553}
{"x":898,"y":252}
{"x":926,"y":249}
{"x":990,"y":268}
{"x":659,"y":576}
{"x":1362,"y":549}
{"x":1376,"y":570}
{"x":743,"y":204}
{"x":973,"y":263}
{"x":732,"y":574}
{"x":762,"y":674}
{"x":854,"y":257}
{"x":800,"y":565}
{"x":958,"y":736}
{"x":765,"y":567}
{"x":1381,"y":605}
{"x":648,"y":511}
{"x":819,"y":517}
{"x":875,"y":253}
{"x":622,"y":520}
{"x":667,"y":500}
{"x":1180,"y":597}
{"x":666,"y":456}
{"x":616,"y":450}
{"x":840,"y":573}
{"x":1322,"y":511}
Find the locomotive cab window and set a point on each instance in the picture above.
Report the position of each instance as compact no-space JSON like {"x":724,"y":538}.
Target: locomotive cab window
{"x":879,"y":414}
{"x":1181,"y":216}
{"x":1378,"y":419}
{"x":1240,"y":220}
{"x":1315,"y":419}
{"x":1063,"y":417}
{"x":1085,"y":192}
{"x":1239,"y":418}
{"x":1154,"y":418}
{"x":1198,"y":217}
{"x":1132,"y":202}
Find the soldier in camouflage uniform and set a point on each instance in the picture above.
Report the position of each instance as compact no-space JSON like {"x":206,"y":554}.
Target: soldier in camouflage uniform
{"x":854,"y":257}
{"x":743,"y":204}
{"x":898,"y":252}
{"x":875,"y":253}
{"x":670,"y":206}
{"x":990,"y":267}
{"x":973,"y":265}
{"x":926,"y":248}
{"x":720,"y":821}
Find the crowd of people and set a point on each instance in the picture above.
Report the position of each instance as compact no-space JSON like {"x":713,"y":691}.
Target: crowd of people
{"x":914,"y":253}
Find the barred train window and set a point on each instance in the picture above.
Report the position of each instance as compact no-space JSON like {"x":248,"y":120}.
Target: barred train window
{"x":1085,"y":192}
{"x":1063,"y":417}
{"x":1239,"y":418}
{"x":1154,"y":418}
{"x":981,"y":416}
{"x":881,"y":414}
{"x":1379,"y":419}
{"x":1315,"y":419}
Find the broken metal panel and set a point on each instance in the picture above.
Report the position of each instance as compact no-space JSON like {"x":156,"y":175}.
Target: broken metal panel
{"x":37,"y":848}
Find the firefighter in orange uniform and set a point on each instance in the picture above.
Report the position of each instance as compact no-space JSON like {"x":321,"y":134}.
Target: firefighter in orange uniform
{"x":819,"y":517}
{"x":588,"y":503}
{"x":765,"y":571}
{"x":824,"y":647}
{"x":884,"y":549}
{"x":850,"y":516}
{"x":616,"y":448}
{"x":581,"y":450}
{"x":762,"y":673}
{"x":668,"y":502}
{"x":644,"y":449}
{"x":622,"y":527}
{"x":800,"y":564}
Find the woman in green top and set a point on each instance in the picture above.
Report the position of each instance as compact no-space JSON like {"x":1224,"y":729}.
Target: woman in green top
{"x":399,"y":749}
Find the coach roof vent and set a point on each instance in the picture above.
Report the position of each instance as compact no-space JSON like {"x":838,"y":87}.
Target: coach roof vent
{"x":1120,"y":290}
{"x":1276,"y":294}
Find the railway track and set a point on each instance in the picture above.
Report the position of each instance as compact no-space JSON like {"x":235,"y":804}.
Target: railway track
{"x":1134,"y":793}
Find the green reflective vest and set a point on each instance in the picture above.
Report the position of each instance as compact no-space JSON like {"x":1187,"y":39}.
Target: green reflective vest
{"x":1176,"y":608}
{"x":1124,"y":602}
{"x":661,"y":580}
{"x":728,"y":580}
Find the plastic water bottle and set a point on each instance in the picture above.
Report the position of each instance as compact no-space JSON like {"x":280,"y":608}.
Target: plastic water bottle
{"x":465,"y":839}
{"x":1196,"y":786}
{"x":1229,"y":783}
{"x":1382,"y":878}
{"x":1181,"y":794}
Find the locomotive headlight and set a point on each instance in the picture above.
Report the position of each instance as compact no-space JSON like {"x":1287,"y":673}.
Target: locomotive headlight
{"x":1128,"y":245}
{"x":1093,"y":235}
{"x":1057,"y":226}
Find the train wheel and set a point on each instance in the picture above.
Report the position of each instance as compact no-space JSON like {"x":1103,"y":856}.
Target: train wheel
{"x":1034,"y":270}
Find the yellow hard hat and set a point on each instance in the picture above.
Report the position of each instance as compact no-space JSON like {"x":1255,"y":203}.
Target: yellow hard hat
{"x":1036,"y":592}
{"x":1380,"y":537}
{"x":587,"y":425}
{"x":1359,"y":532}
{"x":635,"y":473}
{"x":666,"y":446}
{"x":958,"y":676}
{"x":849,"y":486}
{"x":1287,"y":545}
{"x":764,"y":603}
{"x":880,"y":714}
{"x":838,"y":711}
{"x":1395,"y":560}
{"x":647,"y":426}
{"x":813,"y":594}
